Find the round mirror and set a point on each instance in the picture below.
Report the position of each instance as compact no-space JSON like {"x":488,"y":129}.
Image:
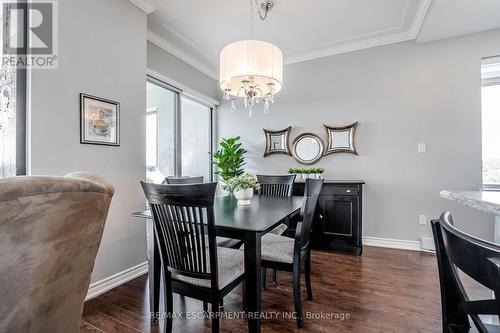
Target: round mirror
{"x":307,"y":148}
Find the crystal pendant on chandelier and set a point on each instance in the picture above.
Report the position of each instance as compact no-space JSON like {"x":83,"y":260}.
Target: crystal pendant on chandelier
{"x":252,"y":70}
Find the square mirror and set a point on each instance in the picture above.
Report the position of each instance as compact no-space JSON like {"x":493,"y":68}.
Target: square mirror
{"x":277,"y":142}
{"x":341,"y":139}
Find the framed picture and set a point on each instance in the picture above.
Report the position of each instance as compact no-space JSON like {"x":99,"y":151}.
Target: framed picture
{"x":99,"y":121}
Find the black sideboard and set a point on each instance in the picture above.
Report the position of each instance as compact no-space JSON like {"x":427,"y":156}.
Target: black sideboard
{"x":338,"y":221}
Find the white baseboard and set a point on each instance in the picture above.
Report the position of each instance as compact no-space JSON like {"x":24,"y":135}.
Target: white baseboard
{"x":392,"y":243}
{"x":100,"y":287}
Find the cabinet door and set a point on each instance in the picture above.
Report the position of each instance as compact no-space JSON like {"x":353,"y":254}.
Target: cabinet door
{"x":338,"y":216}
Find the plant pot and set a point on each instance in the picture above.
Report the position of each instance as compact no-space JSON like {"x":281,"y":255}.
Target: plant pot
{"x":244,"y":196}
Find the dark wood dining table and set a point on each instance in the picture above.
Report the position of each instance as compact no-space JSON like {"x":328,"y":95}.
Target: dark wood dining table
{"x":247,"y":223}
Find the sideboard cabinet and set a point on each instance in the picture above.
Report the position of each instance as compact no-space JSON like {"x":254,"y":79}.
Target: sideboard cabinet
{"x":337,"y":224}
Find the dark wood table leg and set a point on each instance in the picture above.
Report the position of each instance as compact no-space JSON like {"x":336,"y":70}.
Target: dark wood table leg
{"x":154,"y":272}
{"x":253,"y":281}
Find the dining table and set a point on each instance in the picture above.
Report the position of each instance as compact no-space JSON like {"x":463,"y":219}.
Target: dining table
{"x":247,"y":223}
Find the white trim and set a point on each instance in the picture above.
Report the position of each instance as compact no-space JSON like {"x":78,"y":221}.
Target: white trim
{"x":174,"y":50}
{"x":147,"y":6}
{"x":392,"y":243}
{"x":349,"y":47}
{"x":113,"y":281}
{"x":419,"y":19}
{"x":319,"y":51}
{"x":185,"y":90}
{"x":322,"y":52}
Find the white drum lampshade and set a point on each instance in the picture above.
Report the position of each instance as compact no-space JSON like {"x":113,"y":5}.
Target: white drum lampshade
{"x":251,"y":69}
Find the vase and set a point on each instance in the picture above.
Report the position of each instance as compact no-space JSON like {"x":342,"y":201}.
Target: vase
{"x":244,"y":196}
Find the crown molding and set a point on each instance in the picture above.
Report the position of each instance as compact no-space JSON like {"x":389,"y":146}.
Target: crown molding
{"x":147,"y":6}
{"x":345,"y":48}
{"x":322,"y":52}
{"x":174,"y":50}
{"x":419,"y":19}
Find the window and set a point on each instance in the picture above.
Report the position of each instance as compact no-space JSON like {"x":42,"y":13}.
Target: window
{"x":196,"y":133}
{"x":178,"y":135}
{"x":490,"y":105}
{"x":12,"y":116}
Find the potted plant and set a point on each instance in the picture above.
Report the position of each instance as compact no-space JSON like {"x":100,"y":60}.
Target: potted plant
{"x":305,"y":173}
{"x":318,"y":172}
{"x":229,"y":159}
{"x":242,"y":187}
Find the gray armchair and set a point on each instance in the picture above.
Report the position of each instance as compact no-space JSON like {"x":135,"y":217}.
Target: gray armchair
{"x":50,"y":230}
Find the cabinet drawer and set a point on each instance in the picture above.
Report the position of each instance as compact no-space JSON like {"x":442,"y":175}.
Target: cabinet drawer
{"x":340,"y":190}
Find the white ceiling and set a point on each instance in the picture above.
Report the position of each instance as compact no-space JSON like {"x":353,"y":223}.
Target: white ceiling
{"x":197,"y":30}
{"x":450,"y":18}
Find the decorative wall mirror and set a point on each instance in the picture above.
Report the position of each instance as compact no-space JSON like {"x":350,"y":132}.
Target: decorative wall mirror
{"x":307,"y":148}
{"x":277,"y":142}
{"x":341,"y":139}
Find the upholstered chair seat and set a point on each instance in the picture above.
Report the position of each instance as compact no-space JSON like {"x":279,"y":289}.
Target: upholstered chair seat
{"x":277,"y":248}
{"x":227,"y":242}
{"x":279,"y":230}
{"x":231,"y":266}
{"x":50,"y":230}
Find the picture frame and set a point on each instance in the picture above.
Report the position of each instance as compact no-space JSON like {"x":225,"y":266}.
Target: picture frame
{"x":99,"y":121}
{"x":277,"y":142}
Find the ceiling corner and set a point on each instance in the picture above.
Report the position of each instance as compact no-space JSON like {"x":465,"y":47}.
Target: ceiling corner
{"x":419,"y":20}
{"x":182,"y":55}
{"x":147,"y":6}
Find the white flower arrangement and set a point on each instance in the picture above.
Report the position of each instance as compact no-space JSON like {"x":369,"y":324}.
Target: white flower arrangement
{"x":241,"y":182}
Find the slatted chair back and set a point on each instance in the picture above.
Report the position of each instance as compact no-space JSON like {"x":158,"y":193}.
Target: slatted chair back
{"x":276,"y":186}
{"x":183,"y":217}
{"x":478,"y":259}
{"x":311,"y":194}
{"x":183,"y":180}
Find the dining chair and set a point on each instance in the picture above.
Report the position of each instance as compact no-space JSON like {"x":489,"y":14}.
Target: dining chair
{"x":221,"y":241}
{"x":193,"y":264}
{"x":50,"y":231}
{"x":289,"y":254}
{"x":480,"y":260}
{"x":275,"y":186}
{"x":183,"y":180}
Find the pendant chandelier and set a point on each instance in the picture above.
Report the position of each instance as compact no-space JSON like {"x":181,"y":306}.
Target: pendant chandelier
{"x":251,"y":69}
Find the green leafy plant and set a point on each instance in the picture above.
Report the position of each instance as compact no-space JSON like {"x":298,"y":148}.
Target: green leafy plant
{"x":229,"y":159}
{"x":241,"y":182}
{"x":308,"y":171}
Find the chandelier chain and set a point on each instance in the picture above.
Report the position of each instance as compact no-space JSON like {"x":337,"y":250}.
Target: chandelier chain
{"x":251,"y":19}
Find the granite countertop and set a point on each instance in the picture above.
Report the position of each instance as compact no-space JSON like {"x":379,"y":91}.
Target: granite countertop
{"x":487,"y":201}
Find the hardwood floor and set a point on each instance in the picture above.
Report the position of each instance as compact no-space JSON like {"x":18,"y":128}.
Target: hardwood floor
{"x":385,"y":290}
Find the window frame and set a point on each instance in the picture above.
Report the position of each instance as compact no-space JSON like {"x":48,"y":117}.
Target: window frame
{"x":179,"y":94}
{"x":21,"y":98}
{"x":495,"y":81}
